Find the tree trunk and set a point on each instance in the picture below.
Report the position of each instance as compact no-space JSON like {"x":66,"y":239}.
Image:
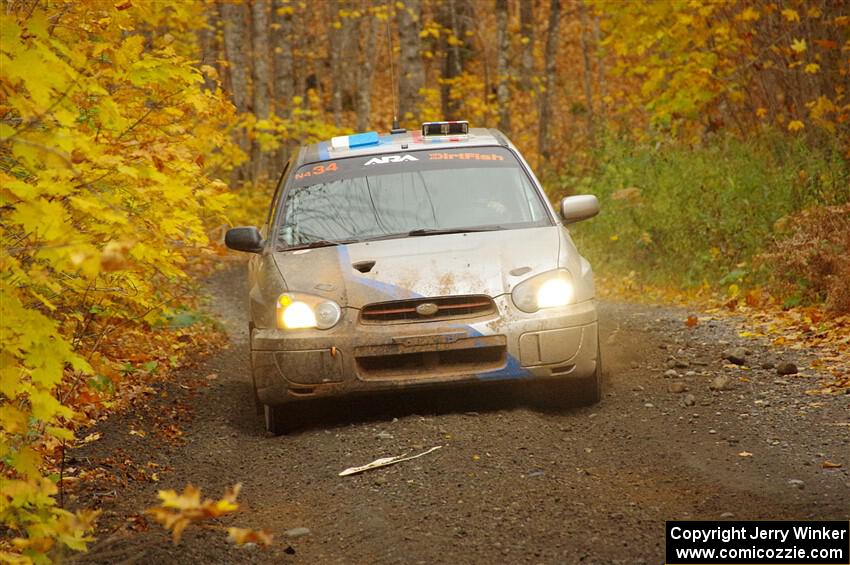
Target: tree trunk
{"x":458,"y":27}
{"x":451,"y":19}
{"x":600,"y":71}
{"x":284,"y":84}
{"x":283,"y":61}
{"x":236,"y":48}
{"x":545,"y":112}
{"x":411,"y":70}
{"x":588,"y":71}
{"x":300,"y":60}
{"x":526,"y":31}
{"x":369,"y":30}
{"x":209,"y":44}
{"x":502,"y":71}
{"x":336,"y":51}
{"x":261,"y":80}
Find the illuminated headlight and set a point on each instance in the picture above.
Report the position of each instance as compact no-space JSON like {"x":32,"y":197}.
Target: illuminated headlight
{"x":546,"y":290}
{"x":301,"y":311}
{"x":298,"y":315}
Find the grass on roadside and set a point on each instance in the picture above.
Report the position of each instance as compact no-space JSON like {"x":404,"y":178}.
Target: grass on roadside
{"x":714,"y":216}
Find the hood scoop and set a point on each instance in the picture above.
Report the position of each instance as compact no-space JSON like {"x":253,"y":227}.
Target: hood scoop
{"x":363,"y":266}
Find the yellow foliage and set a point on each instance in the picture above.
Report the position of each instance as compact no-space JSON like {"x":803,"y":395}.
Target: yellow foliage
{"x":749,"y":15}
{"x":795,"y":125}
{"x":791,"y":15}
{"x":691,"y":65}
{"x":178,"y":511}
{"x":107,"y":144}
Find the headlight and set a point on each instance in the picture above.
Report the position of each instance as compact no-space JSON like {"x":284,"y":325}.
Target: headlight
{"x":546,"y":290}
{"x":300,"y":311}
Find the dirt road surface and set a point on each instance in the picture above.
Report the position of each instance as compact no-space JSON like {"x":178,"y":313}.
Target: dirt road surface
{"x":513,"y":483}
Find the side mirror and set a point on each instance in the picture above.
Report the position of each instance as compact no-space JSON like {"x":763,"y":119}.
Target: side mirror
{"x":578,"y":208}
{"x":244,"y":239}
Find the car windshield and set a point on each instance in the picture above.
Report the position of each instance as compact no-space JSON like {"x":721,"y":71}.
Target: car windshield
{"x":409,"y":194}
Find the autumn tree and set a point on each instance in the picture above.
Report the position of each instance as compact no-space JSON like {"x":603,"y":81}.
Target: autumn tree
{"x":236,"y":38}
{"x":588,"y":70}
{"x":110,"y":151}
{"x":261,"y":78}
{"x":502,"y":70}
{"x":549,"y":79}
{"x":526,"y":11}
{"x":369,"y":27}
{"x":282,"y":31}
{"x":411,"y":68}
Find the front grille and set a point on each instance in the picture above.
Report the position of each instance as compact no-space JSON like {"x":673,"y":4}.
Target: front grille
{"x":422,"y":358}
{"x":444,"y":307}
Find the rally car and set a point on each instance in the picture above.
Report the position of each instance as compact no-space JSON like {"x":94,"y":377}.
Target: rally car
{"x":416,"y":259}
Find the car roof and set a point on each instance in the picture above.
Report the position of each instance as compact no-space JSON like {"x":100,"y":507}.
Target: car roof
{"x":393,"y":143}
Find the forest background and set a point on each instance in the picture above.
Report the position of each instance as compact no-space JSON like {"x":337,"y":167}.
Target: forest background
{"x":132,"y":133}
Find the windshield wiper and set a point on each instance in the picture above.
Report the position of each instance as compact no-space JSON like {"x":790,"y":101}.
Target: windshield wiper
{"x":413,"y":233}
{"x":318,"y":243}
{"x":438,"y":231}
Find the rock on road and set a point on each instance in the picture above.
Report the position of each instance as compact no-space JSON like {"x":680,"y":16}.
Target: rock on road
{"x":679,"y":435}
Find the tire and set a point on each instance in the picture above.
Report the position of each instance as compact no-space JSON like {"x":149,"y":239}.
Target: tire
{"x":258,"y":406}
{"x":282,"y":419}
{"x":588,"y":391}
{"x":568,"y":393}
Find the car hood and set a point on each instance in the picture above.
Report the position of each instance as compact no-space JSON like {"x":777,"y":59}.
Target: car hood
{"x":490,"y":263}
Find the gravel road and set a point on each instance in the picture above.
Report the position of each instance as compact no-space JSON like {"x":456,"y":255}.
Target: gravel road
{"x":513,"y":482}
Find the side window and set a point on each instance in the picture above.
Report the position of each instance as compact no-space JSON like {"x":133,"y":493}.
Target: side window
{"x":277,"y":192}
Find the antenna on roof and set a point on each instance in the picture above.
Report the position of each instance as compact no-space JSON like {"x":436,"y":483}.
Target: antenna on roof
{"x":393,"y":82}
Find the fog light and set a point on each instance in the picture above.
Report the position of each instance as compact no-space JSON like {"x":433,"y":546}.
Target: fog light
{"x":327,"y":314}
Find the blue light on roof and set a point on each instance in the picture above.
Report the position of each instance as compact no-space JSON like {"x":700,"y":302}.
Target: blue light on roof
{"x":360,"y":139}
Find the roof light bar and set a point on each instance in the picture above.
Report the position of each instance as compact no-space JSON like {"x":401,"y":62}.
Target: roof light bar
{"x":437,"y":129}
{"x":356,"y":140}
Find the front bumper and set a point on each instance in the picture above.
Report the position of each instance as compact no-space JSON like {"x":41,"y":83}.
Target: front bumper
{"x":554,"y":343}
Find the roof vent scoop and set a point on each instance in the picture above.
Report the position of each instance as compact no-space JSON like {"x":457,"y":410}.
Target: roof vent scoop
{"x":363,"y":266}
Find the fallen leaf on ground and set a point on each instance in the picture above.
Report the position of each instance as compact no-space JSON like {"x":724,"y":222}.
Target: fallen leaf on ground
{"x":91,"y":437}
{"x":241,"y":536}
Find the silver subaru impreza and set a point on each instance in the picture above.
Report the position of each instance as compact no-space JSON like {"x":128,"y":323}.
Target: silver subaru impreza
{"x":416,"y":259}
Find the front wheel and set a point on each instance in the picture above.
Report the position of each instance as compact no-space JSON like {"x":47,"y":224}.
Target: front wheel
{"x":589,"y":390}
{"x":569,"y":392}
{"x":281,"y":419}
